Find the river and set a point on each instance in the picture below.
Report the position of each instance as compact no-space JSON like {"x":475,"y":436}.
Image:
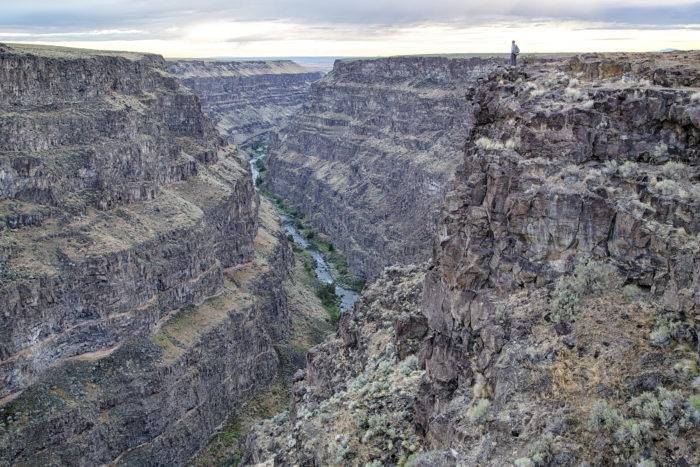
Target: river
{"x":322,"y":269}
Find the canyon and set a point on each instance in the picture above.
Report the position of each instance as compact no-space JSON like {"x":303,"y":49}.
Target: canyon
{"x":247,"y":101}
{"x":530,"y":236}
{"x":368,"y":159}
{"x":557,"y":320}
{"x":147,"y":289}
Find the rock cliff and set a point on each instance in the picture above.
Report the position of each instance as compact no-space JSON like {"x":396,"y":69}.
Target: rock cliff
{"x":369,"y":158}
{"x":140,"y":302}
{"x":248,"y":101}
{"x":557,"y":323}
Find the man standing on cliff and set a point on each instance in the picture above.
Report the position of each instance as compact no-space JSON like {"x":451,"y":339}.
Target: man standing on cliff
{"x":514,"y":51}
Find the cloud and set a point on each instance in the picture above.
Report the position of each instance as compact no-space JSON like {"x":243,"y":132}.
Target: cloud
{"x":221,"y":24}
{"x":158,"y":15}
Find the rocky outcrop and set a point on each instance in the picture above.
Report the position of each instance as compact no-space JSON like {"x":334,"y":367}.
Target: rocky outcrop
{"x":140,"y":303}
{"x":248,"y":101}
{"x":562,"y":168}
{"x":353,"y":404}
{"x":369,"y":158}
{"x":559,"y":315}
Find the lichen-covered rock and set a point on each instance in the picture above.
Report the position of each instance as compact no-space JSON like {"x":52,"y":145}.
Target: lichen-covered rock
{"x":250,"y":101}
{"x":369,"y":158}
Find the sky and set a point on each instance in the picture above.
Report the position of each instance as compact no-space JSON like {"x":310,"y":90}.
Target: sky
{"x":275,"y":28}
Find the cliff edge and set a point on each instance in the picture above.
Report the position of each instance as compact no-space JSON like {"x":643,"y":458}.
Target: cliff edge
{"x":557,"y":321}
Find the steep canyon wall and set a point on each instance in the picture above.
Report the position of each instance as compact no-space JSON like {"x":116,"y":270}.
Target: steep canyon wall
{"x":141,"y":293}
{"x":249,"y":101}
{"x":370,"y":156}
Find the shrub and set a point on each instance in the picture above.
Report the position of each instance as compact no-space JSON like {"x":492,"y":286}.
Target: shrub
{"x":603,"y":417}
{"x":669,"y":188}
{"x":688,"y":366}
{"x":589,"y":278}
{"x":479,"y":411}
{"x":646,"y":463}
{"x":326,"y":292}
{"x":651,"y":407}
{"x":409,"y":365}
{"x":660,"y":150}
{"x":666,"y":408}
{"x":632,"y":291}
{"x":674,"y":170}
{"x":573,"y":93}
{"x":512,"y":143}
{"x":660,"y":337}
{"x":357,"y":284}
{"x":666,"y":325}
{"x":564,"y":301}
{"x":339,"y":449}
{"x":629,"y":169}
{"x":329,"y":299}
{"x":633,"y":435}
{"x":541,"y":451}
{"x":571,"y":170}
{"x":489,"y":144}
{"x":695,"y":192}
{"x":377,"y":425}
{"x":611,"y":166}
{"x":696,"y":383}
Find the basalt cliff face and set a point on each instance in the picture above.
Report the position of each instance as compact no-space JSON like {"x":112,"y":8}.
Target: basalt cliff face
{"x":248,"y":101}
{"x":557,"y":322}
{"x":369,"y":158}
{"x":142,"y":278}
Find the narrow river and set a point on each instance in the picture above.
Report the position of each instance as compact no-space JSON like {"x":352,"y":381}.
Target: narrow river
{"x":322,"y":269}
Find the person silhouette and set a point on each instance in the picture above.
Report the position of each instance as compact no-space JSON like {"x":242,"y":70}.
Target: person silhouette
{"x":514,"y":51}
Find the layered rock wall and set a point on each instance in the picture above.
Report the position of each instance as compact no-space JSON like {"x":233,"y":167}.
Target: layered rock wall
{"x":248,"y":101}
{"x":369,"y":158}
{"x":140,"y":303}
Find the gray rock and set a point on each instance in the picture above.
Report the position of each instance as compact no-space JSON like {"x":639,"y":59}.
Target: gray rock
{"x":369,"y":158}
{"x":248,"y":101}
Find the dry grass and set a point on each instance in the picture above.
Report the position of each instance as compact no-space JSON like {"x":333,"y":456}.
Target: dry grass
{"x":575,"y":377}
{"x":51,"y":51}
{"x":489,"y":144}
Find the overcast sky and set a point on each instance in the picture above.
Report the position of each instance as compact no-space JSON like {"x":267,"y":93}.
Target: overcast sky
{"x":246,"y":28}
